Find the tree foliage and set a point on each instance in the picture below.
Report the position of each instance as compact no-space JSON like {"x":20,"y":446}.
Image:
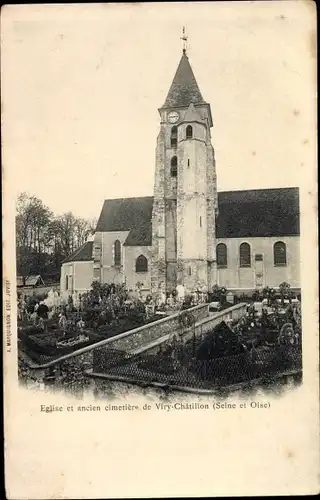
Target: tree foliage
{"x":44,"y":239}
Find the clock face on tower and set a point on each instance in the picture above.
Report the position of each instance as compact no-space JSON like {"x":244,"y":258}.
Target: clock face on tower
{"x":173,"y":117}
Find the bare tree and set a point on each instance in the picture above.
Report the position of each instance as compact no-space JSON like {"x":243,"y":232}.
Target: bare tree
{"x":44,"y":240}
{"x":33,"y":219}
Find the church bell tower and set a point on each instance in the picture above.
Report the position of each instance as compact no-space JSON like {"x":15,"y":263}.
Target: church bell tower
{"x":185,"y":189}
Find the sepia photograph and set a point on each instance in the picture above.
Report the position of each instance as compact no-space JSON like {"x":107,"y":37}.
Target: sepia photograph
{"x":192,"y":287}
{"x":159,"y":166}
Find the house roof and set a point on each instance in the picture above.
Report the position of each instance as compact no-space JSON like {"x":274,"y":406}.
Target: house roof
{"x":252,"y":213}
{"x":83,"y":253}
{"x":184,"y":88}
{"x":30,"y":280}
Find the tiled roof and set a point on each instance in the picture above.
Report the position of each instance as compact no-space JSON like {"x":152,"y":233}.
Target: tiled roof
{"x":83,"y":253}
{"x":140,"y":236}
{"x":252,"y":213}
{"x":258,"y":212}
{"x":30,"y":280}
{"x":123,"y":214}
{"x":184,"y":88}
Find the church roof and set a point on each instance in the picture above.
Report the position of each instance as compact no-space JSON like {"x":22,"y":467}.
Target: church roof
{"x":140,"y":236}
{"x":252,"y":213}
{"x":184,"y":88}
{"x":125,"y":214}
{"x":83,"y":253}
{"x":258,"y":213}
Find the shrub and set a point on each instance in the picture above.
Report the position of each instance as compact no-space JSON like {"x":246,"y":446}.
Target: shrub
{"x":285,"y":291}
{"x":187,"y":303}
{"x":269,"y":293}
{"x":218,"y":294}
{"x":243,"y":297}
{"x":40,"y":296}
{"x":256,"y":295}
{"x":30,"y":330}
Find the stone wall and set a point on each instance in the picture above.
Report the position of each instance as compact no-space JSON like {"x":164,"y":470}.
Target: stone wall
{"x":69,"y":370}
{"x":109,"y":272}
{"x":212,"y":212}
{"x":135,"y":338}
{"x":132,"y":277}
{"x":158,"y":267}
{"x":150,"y":333}
{"x":83,"y":276}
{"x":234,"y":277}
{"x":183,"y":219}
{"x":203,"y":326}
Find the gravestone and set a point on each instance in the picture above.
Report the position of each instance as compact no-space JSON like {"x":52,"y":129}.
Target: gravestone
{"x":230,"y":298}
{"x":214,"y":306}
{"x":258,"y":308}
{"x":180,"y":292}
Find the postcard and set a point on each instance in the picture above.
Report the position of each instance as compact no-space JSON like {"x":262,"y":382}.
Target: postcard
{"x":160,"y":245}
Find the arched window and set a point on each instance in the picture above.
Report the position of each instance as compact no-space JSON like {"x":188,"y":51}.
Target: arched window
{"x":245,"y":255}
{"x":67,"y":281}
{"x":189,"y":132}
{"x":222,"y":257}
{"x":189,"y":270}
{"x":174,"y":166}
{"x":141,"y":264}
{"x":174,"y":137}
{"x":117,"y":253}
{"x":279,"y":254}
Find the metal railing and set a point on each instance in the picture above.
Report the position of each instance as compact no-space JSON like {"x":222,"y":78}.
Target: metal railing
{"x":184,"y":371}
{"x":129,"y":339}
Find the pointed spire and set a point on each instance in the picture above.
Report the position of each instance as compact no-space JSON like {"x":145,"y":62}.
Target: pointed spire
{"x":184,"y":89}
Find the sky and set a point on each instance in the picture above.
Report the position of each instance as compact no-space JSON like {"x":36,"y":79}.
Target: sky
{"x":82,"y":85}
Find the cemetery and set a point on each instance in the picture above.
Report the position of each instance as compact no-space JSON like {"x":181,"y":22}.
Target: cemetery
{"x":62,"y":328}
{"x":260,"y":341}
{"x":259,"y":346}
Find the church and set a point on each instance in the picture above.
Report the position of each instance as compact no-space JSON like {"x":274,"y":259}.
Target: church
{"x":188,"y":233}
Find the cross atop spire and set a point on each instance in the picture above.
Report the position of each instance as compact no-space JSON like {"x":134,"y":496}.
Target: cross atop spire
{"x":184,"y":88}
{"x":184,"y":38}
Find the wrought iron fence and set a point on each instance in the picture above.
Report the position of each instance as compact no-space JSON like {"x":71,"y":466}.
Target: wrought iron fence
{"x":189,"y":372}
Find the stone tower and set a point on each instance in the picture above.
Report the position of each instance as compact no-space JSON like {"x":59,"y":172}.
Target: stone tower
{"x":185,"y":189}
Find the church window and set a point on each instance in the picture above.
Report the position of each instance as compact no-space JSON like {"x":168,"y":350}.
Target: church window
{"x":200,"y":221}
{"x":67,"y":282}
{"x":174,"y":166}
{"x":117,"y":253}
{"x":188,"y":162}
{"x":245,"y":255}
{"x":222,"y":257}
{"x":189,"y":270}
{"x":141,"y":264}
{"x":174,"y":137}
{"x":189,"y":132}
{"x":280,"y":254}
